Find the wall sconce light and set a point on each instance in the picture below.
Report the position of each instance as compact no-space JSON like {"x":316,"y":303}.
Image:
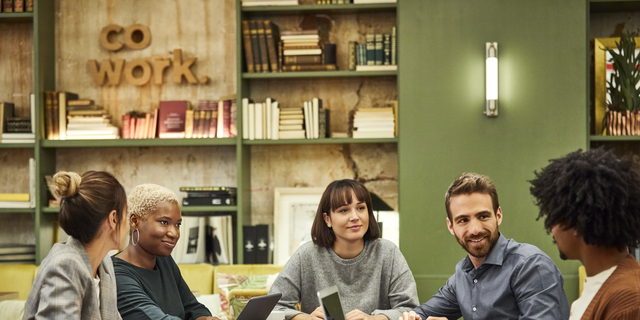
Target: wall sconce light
{"x":491,"y":82}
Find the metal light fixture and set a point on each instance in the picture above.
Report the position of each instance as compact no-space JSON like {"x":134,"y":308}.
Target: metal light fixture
{"x":491,"y":82}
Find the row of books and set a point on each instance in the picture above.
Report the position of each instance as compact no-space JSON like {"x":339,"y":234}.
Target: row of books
{"x":212,"y":119}
{"x":353,"y":1}
{"x":375,"y":122}
{"x":13,"y":253}
{"x":209,"y":196}
{"x":257,"y":243}
{"x":378,"y":53}
{"x":205,"y":240}
{"x":69,"y":118}
{"x":22,"y":200}
{"x":17,"y":5}
{"x":250,"y":3}
{"x":267,"y":120}
{"x":15,"y":129}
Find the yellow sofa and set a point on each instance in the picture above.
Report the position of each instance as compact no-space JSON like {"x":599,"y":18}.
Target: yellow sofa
{"x":201,"y":279}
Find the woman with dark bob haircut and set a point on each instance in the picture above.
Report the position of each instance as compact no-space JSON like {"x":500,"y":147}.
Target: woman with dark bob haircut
{"x":76,"y":280}
{"x":371,"y":274}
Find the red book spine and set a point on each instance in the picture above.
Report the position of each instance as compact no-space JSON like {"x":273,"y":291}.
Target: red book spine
{"x":125,"y":126}
{"x":226,"y":120}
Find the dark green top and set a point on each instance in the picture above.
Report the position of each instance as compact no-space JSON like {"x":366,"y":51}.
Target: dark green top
{"x":160,"y":293}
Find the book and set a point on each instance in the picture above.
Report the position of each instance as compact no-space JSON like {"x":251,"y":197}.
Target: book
{"x":18,"y":5}
{"x":79,"y":102}
{"x":14,"y":197}
{"x":272,"y":37}
{"x":308,"y":124}
{"x":301,"y":52}
{"x":329,"y":54}
{"x":303,"y":59}
{"x":252,"y":120}
{"x":216,"y":189}
{"x":275,"y":118}
{"x":32,"y":112}
{"x":393,"y":46}
{"x":299,"y":67}
{"x":263,"y":241}
{"x":213,"y":122}
{"x":16,"y":248}
{"x":377,"y":68}
{"x":245,"y":118}
{"x":316,"y":107}
{"x":6,"y":112}
{"x":323,"y":123}
{"x":55,"y":114}
{"x":7,"y":5}
{"x":153,"y":123}
{"x":248,"y":53}
{"x":249,"y":244}
{"x":386,"y":48}
{"x":14,"y":204}
{"x":233,"y":119}
{"x":32,"y":182}
{"x":18,"y":257}
{"x":171,"y":119}
{"x":220,"y":200}
{"x":188,"y":126}
{"x":371,"y":48}
{"x":251,"y":3}
{"x":125,"y":126}
{"x":28,"y":5}
{"x":63,"y":97}
{"x":379,"y":46}
{"x":352,"y":55}
{"x":262,"y":43}
{"x":293,"y":134}
{"x":255,"y":46}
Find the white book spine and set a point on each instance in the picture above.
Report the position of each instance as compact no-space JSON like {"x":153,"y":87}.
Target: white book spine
{"x":316,"y":109}
{"x":245,"y":118}
{"x":268,"y":118}
{"x":220,"y":125}
{"x":252,"y":121}
{"x":276,"y":120}
{"x":307,"y":121}
{"x":259,"y":107}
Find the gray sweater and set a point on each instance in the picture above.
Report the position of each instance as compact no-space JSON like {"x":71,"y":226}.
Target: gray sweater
{"x":377,"y":281}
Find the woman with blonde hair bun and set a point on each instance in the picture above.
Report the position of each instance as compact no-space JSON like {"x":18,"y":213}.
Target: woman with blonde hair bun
{"x":75,"y":280}
{"x":150,"y":285}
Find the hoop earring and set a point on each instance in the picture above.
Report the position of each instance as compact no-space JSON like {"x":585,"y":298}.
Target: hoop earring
{"x":135,"y":243}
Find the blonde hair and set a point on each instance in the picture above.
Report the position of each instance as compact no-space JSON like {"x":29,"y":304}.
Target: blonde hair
{"x":146,"y":198}
{"x":66,"y":184}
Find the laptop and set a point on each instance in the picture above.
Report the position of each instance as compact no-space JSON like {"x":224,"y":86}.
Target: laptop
{"x":331,"y":305}
{"x":259,"y":308}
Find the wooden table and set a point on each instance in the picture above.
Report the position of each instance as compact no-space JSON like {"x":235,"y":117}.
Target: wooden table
{"x":8,"y":295}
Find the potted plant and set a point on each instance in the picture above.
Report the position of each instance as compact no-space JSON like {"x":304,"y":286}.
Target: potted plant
{"x":623,"y":116}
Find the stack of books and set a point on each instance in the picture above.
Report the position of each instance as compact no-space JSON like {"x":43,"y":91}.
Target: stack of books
{"x":374,"y":123}
{"x":260,"y":40}
{"x":267,"y":120}
{"x":304,"y":51}
{"x":378,"y":53}
{"x":17,"y":253}
{"x":209,"y":196}
{"x":14,"y":200}
{"x":251,"y":3}
{"x":88,"y":121}
{"x":15,"y":129}
{"x":291,"y":124}
{"x":140,"y":125}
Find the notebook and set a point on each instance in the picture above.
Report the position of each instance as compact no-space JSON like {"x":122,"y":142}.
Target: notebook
{"x":259,"y":308}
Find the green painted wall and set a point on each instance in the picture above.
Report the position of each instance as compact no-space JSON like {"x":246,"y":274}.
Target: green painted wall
{"x":443,"y":132}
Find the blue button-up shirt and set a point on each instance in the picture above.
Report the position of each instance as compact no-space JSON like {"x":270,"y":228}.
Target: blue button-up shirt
{"x":515,"y":281}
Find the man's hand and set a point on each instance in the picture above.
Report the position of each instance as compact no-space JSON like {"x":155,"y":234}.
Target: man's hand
{"x":359,"y":315}
{"x":315,"y":315}
{"x":410,"y":316}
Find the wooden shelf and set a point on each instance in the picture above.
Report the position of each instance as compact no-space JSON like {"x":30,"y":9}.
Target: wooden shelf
{"x":613,"y":138}
{"x":17,"y":210}
{"x":208,"y":209}
{"x":16,"y":17}
{"x":138,"y":143}
{"x":319,"y":141}
{"x":319,"y":9}
{"x":318,"y":74}
{"x":17,"y":145}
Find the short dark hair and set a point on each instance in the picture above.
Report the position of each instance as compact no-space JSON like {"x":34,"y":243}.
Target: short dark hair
{"x":594,"y":193}
{"x":468,"y":183}
{"x":87,"y":201}
{"x":338,"y":194}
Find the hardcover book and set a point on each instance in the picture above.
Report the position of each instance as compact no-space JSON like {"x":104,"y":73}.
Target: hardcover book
{"x":255,"y":46}
{"x":264,"y":236}
{"x":63,"y":97}
{"x":6,"y":112}
{"x":220,"y":200}
{"x":171,"y":121}
{"x":249,"y":244}
{"x":248,"y":53}
{"x":18,"y":5}
{"x":272,"y":36}
{"x":7,"y":5}
{"x":309,"y":67}
{"x":262,"y":42}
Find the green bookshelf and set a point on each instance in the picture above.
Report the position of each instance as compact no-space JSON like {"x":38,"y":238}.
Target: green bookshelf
{"x":319,"y":141}
{"x":138,"y":143}
{"x":318,"y":74}
{"x":320,"y":9}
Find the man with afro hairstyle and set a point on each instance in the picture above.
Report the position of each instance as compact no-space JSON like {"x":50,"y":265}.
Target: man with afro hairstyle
{"x":591,"y":204}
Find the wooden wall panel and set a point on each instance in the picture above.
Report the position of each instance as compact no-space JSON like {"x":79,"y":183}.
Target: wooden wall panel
{"x":16,"y":65}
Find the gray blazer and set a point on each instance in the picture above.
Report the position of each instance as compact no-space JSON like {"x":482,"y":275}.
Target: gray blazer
{"x":64,"y":289}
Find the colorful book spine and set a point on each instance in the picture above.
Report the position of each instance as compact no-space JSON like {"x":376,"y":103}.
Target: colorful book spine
{"x":352,"y":55}
{"x":371,"y":49}
{"x":379,"y":51}
{"x":386,"y":49}
{"x":394,"y":46}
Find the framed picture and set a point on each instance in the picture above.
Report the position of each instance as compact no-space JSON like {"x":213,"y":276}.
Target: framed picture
{"x":602,"y":72}
{"x":293,"y":214}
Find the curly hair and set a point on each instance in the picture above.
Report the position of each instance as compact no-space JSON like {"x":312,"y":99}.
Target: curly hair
{"x":594,"y":193}
{"x":145,"y":198}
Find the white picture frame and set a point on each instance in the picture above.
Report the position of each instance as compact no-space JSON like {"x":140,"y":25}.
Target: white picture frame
{"x":293,"y":213}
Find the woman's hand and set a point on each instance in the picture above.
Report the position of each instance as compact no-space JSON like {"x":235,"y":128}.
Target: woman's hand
{"x":207,"y":318}
{"x":410,"y":316}
{"x":359,"y":315}
{"x":315,"y":315}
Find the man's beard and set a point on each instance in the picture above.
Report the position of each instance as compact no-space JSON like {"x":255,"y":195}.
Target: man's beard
{"x":483,"y":251}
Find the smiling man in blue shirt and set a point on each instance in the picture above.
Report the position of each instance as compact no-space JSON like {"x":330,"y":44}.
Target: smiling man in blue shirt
{"x":499,"y":278}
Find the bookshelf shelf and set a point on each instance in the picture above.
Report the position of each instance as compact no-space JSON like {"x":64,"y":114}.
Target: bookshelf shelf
{"x":319,"y":9}
{"x":319,"y":141}
{"x":17,"y":210}
{"x":138,"y":143}
{"x":318,"y":74}
{"x":208,"y":209}
{"x":614,"y":138}
{"x":17,"y":145}
{"x":16,"y":17}
{"x":50,"y":210}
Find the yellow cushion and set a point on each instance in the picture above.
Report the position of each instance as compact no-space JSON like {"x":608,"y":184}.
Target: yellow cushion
{"x":582,"y":275}
{"x":199,"y":277}
{"x":17,"y":277}
{"x":245,"y":270}
{"x":238,"y":299}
